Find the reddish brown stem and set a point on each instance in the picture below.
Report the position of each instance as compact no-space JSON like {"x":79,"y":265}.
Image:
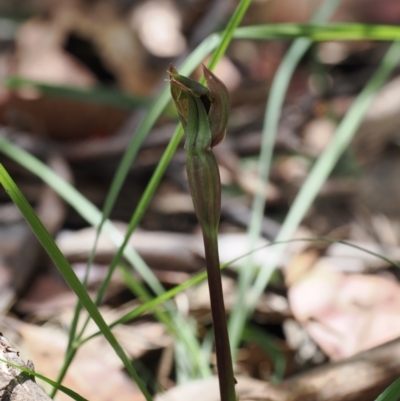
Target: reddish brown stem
{"x":205,"y":186}
{"x":222,"y":348}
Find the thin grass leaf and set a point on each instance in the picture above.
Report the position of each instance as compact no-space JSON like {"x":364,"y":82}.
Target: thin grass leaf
{"x":69,"y":275}
{"x":318,"y":32}
{"x":110,"y":97}
{"x":227,"y":34}
{"x":271,"y":119}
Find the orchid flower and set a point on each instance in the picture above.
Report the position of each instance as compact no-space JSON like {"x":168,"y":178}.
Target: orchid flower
{"x":204,"y":113}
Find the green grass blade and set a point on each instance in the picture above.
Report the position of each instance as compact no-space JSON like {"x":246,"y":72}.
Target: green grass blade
{"x":319,"y":33}
{"x":60,"y":387}
{"x":273,"y":111}
{"x":109,"y":97}
{"x":69,"y":275}
{"x":144,"y":201}
{"x":228,"y":33}
{"x":325,"y":163}
{"x":392,"y":393}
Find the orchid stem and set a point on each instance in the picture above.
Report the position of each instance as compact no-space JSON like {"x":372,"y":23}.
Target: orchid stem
{"x":204,"y":115}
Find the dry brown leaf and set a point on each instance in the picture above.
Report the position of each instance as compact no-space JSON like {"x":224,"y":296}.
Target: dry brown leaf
{"x":95,"y":375}
{"x":46,"y":295}
{"x":346,"y":314}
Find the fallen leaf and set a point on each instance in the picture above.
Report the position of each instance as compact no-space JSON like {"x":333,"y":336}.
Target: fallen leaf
{"x":346,"y":314}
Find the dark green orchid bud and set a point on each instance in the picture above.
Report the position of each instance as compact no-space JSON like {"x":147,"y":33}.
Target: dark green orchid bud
{"x":181,"y":88}
{"x":215,"y":99}
{"x":186,"y":84}
{"x":219,"y":109}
